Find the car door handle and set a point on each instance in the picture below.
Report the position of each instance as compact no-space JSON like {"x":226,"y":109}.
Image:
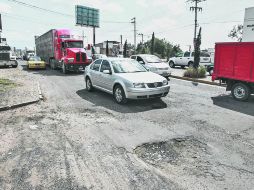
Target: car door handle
{"x":181,"y":58}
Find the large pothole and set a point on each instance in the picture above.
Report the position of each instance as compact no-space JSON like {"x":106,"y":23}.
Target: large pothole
{"x":174,"y":151}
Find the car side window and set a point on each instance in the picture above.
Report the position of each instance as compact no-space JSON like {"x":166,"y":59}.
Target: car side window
{"x":105,"y":66}
{"x":96,"y":65}
{"x":192,"y":54}
{"x":187,"y":54}
{"x":140,"y":60}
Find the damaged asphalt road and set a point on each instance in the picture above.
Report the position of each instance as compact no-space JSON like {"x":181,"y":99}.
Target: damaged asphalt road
{"x":197,"y":137}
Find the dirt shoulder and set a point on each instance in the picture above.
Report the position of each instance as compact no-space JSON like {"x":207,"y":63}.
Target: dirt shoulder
{"x":16,"y":87}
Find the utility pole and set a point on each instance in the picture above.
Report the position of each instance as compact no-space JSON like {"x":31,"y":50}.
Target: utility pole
{"x":0,"y":28}
{"x":121,"y":37}
{"x":196,"y":9}
{"x":133,"y":21}
{"x":142,"y":35}
{"x":94,"y":36}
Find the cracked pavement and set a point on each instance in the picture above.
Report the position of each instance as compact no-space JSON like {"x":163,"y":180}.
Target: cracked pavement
{"x":197,"y":137}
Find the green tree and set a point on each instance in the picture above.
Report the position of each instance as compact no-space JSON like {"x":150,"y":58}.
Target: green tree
{"x":152,"y":44}
{"x":236,"y":33}
{"x":125,"y":49}
{"x":197,"y":50}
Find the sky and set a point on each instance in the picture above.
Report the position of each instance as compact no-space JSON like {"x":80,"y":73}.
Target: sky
{"x":169,"y":19}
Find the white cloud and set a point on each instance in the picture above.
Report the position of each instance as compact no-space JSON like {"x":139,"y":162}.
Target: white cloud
{"x":142,"y":3}
{"x":175,"y":7}
{"x":160,"y":25}
{"x":103,"y":5}
{"x":5,"y":8}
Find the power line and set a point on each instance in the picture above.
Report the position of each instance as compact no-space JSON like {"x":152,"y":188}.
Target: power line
{"x":40,"y":8}
{"x":59,"y":13}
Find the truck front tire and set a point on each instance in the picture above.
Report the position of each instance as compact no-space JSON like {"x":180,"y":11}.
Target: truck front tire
{"x":64,"y":68}
{"x":52,"y":64}
{"x":240,"y":91}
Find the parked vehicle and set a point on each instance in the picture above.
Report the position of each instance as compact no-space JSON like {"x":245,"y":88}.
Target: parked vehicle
{"x":36,"y":63}
{"x":28,"y":54}
{"x":125,"y":79}
{"x":61,"y":50}
{"x":234,"y":64}
{"x":187,"y":59}
{"x":153,"y":63}
{"x":6,"y":59}
{"x":99,"y":56}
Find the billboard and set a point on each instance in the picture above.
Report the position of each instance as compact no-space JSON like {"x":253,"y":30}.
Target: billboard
{"x":87,"y":16}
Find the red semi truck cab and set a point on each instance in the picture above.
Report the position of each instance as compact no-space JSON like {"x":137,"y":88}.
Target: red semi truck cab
{"x":60,"y":49}
{"x":234,"y":65}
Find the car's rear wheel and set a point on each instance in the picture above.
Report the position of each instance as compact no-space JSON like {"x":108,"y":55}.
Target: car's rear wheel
{"x":89,"y":85}
{"x":240,"y":92}
{"x":172,"y":64}
{"x":119,"y":95}
{"x":14,"y":66}
{"x":211,"y":72}
{"x":190,"y":64}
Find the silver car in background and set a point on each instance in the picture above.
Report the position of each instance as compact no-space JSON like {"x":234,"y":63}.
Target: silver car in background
{"x":125,"y":79}
{"x":153,"y":63}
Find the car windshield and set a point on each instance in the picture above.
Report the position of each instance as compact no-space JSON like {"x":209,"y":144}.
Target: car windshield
{"x":152,"y":59}
{"x":74,"y":44}
{"x":127,"y":66}
{"x":34,"y":59}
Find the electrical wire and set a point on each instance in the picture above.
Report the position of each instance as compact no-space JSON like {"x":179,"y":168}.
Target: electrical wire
{"x":59,"y":13}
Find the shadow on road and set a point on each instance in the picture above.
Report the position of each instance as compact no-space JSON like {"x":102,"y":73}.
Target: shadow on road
{"x":49,"y":72}
{"x":99,"y":98}
{"x":226,"y":101}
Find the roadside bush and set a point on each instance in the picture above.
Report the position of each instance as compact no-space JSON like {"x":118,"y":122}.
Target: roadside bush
{"x":195,"y":73}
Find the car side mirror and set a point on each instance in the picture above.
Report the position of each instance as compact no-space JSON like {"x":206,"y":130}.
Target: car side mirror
{"x":107,"y":72}
{"x":141,"y":62}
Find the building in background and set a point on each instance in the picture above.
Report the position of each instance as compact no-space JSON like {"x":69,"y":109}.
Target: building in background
{"x":113,"y":46}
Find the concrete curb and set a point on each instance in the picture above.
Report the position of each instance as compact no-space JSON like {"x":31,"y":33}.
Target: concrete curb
{"x":5,"y":108}
{"x":10,"y":107}
{"x":196,"y":80}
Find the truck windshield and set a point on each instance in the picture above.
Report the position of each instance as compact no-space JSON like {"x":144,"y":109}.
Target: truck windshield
{"x":74,"y":44}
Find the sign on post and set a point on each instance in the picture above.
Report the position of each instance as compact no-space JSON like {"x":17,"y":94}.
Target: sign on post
{"x":86,"y":16}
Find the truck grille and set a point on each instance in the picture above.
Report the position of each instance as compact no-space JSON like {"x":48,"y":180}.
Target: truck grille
{"x":154,"y":85}
{"x":5,"y":56}
{"x":83,"y":57}
{"x":78,"y":57}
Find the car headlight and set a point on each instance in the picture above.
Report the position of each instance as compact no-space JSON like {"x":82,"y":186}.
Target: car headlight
{"x":153,"y":69}
{"x":139,"y":85}
{"x":165,"y":82}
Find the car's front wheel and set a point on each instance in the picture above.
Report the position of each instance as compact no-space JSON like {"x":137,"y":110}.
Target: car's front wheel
{"x":119,"y":95}
{"x":171,"y":64}
{"x":89,"y":85}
